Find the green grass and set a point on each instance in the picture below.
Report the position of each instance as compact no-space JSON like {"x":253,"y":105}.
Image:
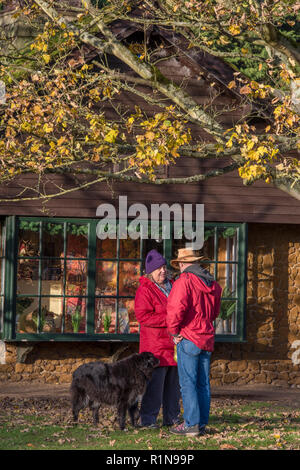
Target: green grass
{"x":46,"y":424}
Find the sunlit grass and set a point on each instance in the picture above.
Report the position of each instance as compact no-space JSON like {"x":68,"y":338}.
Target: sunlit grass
{"x":234,"y":424}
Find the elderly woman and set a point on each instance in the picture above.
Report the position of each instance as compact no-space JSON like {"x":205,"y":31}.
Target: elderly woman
{"x":151,"y":310}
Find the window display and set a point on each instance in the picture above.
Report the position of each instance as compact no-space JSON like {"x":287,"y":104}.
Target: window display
{"x":68,"y":283}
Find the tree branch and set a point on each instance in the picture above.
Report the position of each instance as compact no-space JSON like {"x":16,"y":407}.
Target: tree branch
{"x":146,"y":71}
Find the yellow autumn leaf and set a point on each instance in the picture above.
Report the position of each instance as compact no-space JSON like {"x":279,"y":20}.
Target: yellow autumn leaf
{"x":46,"y":58}
{"x":234,"y":29}
{"x":262,"y":150}
{"x":35,"y":147}
{"x":245,"y":90}
{"x":37,"y":110}
{"x":111,"y":136}
{"x":150,"y":135}
{"x":47,"y":128}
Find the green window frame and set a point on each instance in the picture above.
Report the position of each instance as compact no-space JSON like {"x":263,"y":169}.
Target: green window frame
{"x":13,"y":223}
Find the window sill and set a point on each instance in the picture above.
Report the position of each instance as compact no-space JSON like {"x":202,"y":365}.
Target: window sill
{"x":67,"y":337}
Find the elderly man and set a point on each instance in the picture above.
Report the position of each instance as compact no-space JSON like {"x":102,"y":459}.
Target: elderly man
{"x":193,"y":305}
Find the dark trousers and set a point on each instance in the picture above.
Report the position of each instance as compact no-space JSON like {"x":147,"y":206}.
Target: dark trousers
{"x":163,"y":390}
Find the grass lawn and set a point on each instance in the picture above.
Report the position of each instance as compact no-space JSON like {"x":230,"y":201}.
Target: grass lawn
{"x":46,"y":424}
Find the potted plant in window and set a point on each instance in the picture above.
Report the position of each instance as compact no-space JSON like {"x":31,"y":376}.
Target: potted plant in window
{"x":106,"y":321}
{"x":76,"y":319}
{"x":226,"y":311}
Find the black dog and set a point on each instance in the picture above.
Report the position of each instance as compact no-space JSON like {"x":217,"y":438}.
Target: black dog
{"x":121,"y":384}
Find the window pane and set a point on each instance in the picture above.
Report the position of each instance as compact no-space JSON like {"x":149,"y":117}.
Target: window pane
{"x":27,"y":276}
{"x":130,"y":248}
{"x":129,"y":274}
{"x":53,"y":239}
{"x":126,"y":320}
{"x":26,"y":314}
{"x":227,"y":277}
{"x":227,"y":244}
{"x":52,"y":274}
{"x":106,"y":248}
{"x":76,"y":277}
{"x":29,"y":239}
{"x":106,"y":278}
{"x":75,"y":315}
{"x":226,"y":321}
{"x":27,"y":309}
{"x":77,"y":240}
{"x":105,"y":315}
{"x":52,"y":313}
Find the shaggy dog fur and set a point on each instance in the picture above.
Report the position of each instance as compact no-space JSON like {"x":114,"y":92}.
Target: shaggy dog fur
{"x":121,"y":384}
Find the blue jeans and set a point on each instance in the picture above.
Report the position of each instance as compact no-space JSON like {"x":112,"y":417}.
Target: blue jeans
{"x":193,"y":370}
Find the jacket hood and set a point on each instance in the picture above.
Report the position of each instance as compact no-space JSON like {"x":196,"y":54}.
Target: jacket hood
{"x":200,"y":272}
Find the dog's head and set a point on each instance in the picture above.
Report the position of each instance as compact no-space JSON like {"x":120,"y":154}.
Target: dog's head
{"x":147,"y":362}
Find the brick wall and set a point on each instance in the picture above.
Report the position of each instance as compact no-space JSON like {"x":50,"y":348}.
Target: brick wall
{"x":269,"y":355}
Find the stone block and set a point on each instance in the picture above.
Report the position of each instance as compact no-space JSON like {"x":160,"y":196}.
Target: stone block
{"x":65,"y":378}
{"x":238,"y":366}
{"x":253,"y":366}
{"x":230,"y":378}
{"x":19,"y":367}
{"x":6,"y":368}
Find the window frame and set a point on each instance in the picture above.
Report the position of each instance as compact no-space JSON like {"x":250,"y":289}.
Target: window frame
{"x":11,"y":256}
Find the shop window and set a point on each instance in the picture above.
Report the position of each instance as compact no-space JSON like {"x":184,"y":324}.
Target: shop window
{"x":63,"y":282}
{"x":51,"y":277}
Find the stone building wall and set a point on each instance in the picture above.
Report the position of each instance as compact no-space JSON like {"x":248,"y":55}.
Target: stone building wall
{"x":270,"y":355}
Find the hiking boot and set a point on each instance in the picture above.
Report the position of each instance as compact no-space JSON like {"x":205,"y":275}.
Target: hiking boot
{"x":184,"y":430}
{"x":175,"y":422}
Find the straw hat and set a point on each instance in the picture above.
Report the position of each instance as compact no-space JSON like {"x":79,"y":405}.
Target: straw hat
{"x":187,"y":255}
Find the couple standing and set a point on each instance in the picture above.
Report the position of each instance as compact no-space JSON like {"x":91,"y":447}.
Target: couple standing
{"x":181,"y":313}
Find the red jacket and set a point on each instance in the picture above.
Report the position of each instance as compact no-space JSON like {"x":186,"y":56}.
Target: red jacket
{"x":192,"y":308}
{"x":151,"y":310}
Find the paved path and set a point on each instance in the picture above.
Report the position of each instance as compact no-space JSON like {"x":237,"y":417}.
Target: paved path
{"x":289,"y":396}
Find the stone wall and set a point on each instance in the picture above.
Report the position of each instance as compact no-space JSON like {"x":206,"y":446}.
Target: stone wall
{"x":270,"y":355}
{"x":55,"y":362}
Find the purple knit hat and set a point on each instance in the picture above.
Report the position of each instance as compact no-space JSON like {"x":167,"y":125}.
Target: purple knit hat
{"x":154,"y":260}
